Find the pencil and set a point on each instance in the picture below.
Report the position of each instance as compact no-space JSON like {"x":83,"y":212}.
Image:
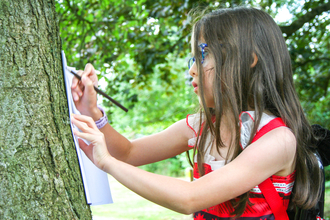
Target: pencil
{"x":100,"y":91}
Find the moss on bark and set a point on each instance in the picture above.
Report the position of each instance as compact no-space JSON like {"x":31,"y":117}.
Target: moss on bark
{"x":39,"y":172}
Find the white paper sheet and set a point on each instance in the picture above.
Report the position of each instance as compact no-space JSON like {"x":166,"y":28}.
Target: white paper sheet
{"x":96,"y":183}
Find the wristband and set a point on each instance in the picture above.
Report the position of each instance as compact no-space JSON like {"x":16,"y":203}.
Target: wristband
{"x":103,"y":120}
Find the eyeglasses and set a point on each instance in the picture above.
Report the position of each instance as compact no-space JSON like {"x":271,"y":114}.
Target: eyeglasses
{"x":192,"y":60}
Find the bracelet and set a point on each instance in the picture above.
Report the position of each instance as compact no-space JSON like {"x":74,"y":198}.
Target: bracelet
{"x":103,"y":120}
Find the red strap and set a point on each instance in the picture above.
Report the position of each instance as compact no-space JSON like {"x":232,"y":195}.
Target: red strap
{"x":267,"y":188}
{"x":273,"y":199}
{"x":275,"y":123}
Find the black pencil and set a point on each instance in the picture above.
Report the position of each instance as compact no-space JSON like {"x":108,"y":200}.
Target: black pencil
{"x":100,"y":91}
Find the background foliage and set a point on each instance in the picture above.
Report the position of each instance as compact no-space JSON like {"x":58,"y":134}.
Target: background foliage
{"x":141,"y":48}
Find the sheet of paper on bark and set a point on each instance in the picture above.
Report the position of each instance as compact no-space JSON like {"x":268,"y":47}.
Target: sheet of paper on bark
{"x":96,"y":183}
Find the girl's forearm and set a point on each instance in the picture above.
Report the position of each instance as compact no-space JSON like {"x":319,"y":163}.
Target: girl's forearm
{"x":166,"y":191}
{"x":168,"y":143}
{"x":118,"y":146}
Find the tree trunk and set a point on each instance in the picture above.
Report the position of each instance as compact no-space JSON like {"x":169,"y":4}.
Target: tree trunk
{"x":39,"y":172}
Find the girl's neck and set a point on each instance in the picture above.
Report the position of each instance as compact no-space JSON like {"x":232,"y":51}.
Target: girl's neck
{"x":226,"y":134}
{"x":227,"y":128}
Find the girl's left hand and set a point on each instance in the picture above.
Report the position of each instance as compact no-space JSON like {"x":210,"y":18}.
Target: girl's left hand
{"x":97,"y":150}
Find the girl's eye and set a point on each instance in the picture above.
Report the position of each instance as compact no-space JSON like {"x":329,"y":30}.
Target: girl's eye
{"x":203,"y":55}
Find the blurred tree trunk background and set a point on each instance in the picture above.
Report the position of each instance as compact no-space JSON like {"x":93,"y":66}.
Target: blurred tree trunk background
{"x":39,"y":172}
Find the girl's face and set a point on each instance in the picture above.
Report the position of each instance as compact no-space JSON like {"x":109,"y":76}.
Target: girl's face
{"x":208,"y":73}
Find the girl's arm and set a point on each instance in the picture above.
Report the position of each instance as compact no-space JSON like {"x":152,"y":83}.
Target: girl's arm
{"x":168,"y":143}
{"x":273,"y":153}
{"x":165,"y":144}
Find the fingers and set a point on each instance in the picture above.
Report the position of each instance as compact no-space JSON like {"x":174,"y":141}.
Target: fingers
{"x":89,"y":69}
{"x":84,"y":123}
{"x":97,"y":150}
{"x":89,"y":79}
{"x":88,"y":85}
{"x":85,"y":147}
{"x":86,"y":136}
{"x":87,"y":127}
{"x":90,"y":72}
{"x":77,"y":87}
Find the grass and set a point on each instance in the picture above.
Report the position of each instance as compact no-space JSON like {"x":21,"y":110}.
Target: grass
{"x":130,"y":206}
{"x":327,"y":204}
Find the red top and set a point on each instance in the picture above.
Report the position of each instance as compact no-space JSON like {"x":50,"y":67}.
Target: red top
{"x":260,"y":208}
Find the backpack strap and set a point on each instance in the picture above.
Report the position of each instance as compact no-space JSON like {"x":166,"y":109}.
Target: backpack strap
{"x":273,"y":199}
{"x":275,"y":123}
{"x":267,"y":188}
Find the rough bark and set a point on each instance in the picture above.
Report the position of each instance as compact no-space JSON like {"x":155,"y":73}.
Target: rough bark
{"x":39,"y":173}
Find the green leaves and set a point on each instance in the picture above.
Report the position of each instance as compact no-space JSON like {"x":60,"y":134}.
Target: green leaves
{"x":309,"y":48}
{"x":139,"y":45}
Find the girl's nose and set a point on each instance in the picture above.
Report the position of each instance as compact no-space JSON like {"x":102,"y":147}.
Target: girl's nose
{"x":193,"y":70}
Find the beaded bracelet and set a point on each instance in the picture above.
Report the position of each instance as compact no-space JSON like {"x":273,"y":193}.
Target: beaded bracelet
{"x":103,"y":120}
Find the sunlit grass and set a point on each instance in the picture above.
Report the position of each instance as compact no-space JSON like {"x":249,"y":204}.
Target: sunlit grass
{"x":327,"y":204}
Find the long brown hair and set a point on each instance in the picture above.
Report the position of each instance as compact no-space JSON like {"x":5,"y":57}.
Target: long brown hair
{"x":233,"y":36}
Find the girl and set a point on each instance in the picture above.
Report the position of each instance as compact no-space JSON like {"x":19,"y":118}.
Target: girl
{"x":242,"y":75}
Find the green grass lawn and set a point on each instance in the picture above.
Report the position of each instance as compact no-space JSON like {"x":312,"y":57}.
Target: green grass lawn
{"x":130,"y":206}
{"x":327,"y":204}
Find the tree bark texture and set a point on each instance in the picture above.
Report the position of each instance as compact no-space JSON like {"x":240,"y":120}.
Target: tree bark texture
{"x":39,"y":172}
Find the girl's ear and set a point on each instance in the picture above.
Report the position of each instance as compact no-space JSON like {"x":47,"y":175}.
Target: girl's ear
{"x":255,"y":60}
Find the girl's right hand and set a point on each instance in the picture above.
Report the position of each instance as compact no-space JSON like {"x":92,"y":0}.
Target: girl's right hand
{"x":83,"y":93}
{"x":96,"y":150}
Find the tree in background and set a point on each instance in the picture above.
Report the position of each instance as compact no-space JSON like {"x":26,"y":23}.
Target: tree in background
{"x":133,"y":41}
{"x":39,"y":172}
{"x":308,"y":38}
{"x":141,"y":48}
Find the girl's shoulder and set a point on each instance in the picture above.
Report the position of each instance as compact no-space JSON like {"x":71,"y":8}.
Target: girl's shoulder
{"x":247,"y":123}
{"x":193,"y":122}
{"x":273,"y":133}
{"x":247,"y":120}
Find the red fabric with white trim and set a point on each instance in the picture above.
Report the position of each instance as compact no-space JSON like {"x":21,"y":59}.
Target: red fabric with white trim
{"x":268,"y":190}
{"x":260,"y":208}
